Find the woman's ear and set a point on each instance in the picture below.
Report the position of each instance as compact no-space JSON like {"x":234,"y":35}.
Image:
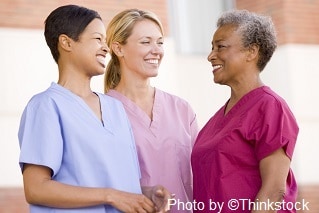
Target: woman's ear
{"x":253,"y":51}
{"x":117,"y":49}
{"x":65,"y":42}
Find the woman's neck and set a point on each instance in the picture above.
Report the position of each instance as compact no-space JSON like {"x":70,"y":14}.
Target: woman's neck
{"x":136,"y":90}
{"x":78,"y":86}
{"x":142,"y":95}
{"x":240,"y":90}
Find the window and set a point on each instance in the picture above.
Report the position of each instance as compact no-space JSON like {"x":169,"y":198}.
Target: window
{"x":192,"y":23}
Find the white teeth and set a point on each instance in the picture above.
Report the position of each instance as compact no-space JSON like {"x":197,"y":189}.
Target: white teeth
{"x":101,"y":59}
{"x":152,"y":61}
{"x":217,"y":67}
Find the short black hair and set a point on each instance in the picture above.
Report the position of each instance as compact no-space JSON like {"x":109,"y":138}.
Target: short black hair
{"x":70,"y":20}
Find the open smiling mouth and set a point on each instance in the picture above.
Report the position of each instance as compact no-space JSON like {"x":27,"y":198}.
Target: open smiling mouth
{"x":102,"y":60}
{"x":217,"y":67}
{"x":152,"y":61}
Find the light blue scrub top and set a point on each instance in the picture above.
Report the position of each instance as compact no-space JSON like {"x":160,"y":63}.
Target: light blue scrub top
{"x":60,"y":131}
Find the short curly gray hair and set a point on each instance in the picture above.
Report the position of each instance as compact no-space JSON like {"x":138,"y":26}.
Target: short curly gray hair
{"x":254,"y":29}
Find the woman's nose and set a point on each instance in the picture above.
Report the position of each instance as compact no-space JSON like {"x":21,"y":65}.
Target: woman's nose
{"x":105,"y":48}
{"x":157,"y":49}
{"x":212,"y":55}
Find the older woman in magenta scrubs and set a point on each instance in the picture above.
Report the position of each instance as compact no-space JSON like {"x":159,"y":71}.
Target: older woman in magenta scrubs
{"x":244,"y":151}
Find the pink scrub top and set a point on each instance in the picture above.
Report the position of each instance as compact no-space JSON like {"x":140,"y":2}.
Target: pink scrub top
{"x":226,"y":155}
{"x":164,"y":144}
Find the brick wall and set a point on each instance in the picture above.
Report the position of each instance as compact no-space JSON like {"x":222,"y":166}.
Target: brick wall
{"x":310,"y":193}
{"x":31,"y":14}
{"x":296,"y":21}
{"x":12,"y":201}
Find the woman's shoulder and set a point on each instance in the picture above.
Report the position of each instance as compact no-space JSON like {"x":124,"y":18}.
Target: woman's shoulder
{"x":169,"y":97}
{"x":272,"y":102}
{"x":271,"y":97}
{"x":45,"y":97}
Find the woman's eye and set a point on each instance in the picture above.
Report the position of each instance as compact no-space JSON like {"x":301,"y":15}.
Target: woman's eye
{"x":218,"y":47}
{"x":145,"y":42}
{"x":221,"y":46}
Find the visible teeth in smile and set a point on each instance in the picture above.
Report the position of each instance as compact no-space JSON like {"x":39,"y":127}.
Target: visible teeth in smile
{"x":101,"y":59}
{"x":217,"y":66}
{"x":152,"y":61}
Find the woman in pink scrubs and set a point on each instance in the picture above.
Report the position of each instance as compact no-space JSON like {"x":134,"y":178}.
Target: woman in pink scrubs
{"x":241,"y":158}
{"x":164,"y":126}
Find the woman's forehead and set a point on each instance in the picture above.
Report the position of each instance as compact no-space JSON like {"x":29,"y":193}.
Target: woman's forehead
{"x":225,"y":32}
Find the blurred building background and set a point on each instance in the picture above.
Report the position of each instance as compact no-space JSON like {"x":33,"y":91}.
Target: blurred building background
{"x":27,"y":67}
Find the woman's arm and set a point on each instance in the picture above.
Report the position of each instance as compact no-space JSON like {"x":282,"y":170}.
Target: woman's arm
{"x":274,"y":171}
{"x":40,"y":189}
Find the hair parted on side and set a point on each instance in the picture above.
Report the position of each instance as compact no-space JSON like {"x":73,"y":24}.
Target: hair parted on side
{"x":118,"y":30}
{"x":70,"y":20}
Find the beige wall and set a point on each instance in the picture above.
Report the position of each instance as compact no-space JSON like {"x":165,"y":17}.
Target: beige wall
{"x":294,"y":73}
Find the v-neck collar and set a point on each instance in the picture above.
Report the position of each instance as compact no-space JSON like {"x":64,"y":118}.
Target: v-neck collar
{"x":234,"y":110}
{"x":138,"y":112}
{"x":105,"y":123}
{"x":105,"y":111}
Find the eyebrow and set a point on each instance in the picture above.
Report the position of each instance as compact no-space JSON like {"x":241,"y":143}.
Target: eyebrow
{"x":98,"y":33}
{"x":219,"y":40}
{"x":150,"y":37}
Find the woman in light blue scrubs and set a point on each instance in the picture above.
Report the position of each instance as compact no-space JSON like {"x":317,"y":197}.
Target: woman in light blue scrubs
{"x":77,"y":149}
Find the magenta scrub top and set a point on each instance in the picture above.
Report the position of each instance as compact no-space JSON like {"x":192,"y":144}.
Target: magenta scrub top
{"x":225,"y":158}
{"x":164,"y":144}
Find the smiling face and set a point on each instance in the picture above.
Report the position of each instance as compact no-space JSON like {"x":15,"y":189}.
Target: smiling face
{"x":143,"y":51}
{"x":90,"y":50}
{"x":228,"y":56}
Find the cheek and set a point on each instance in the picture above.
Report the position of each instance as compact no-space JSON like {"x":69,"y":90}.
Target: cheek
{"x":133,"y":61}
{"x":161,"y":51}
{"x":136,"y":54}
{"x":162,"y":54}
{"x":230,"y":57}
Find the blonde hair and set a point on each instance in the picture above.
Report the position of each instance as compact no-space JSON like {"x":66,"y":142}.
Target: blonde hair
{"x":118,"y":30}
